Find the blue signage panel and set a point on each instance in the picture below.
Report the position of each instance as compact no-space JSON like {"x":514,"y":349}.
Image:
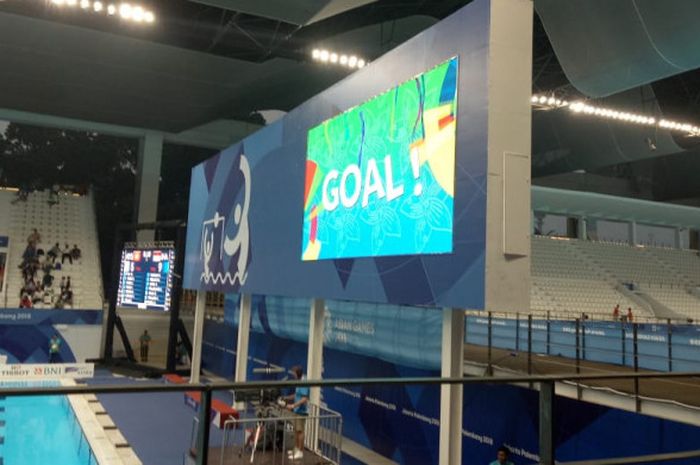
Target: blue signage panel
{"x":345,"y":198}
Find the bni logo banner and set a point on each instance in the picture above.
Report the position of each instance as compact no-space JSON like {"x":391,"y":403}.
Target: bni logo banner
{"x":380,"y":176}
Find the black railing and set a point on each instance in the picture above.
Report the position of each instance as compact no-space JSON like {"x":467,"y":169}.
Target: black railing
{"x":546,"y":384}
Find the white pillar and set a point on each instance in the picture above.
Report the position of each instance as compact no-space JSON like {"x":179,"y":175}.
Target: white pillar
{"x":582,"y":232}
{"x":242,"y":343}
{"x":314,"y":367}
{"x":197,"y":336}
{"x":314,"y":358}
{"x":243,"y":338}
{"x":632,"y":226}
{"x":451,"y":395}
{"x":148,"y":181}
{"x":677,"y":238}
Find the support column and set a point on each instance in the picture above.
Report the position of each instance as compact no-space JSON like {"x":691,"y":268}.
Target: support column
{"x":546,"y":423}
{"x":582,"y":233}
{"x":451,"y":395}
{"x":632,"y":235}
{"x":242,"y":344}
{"x":148,"y":182}
{"x":677,"y":238}
{"x":314,"y":358}
{"x":197,"y":336}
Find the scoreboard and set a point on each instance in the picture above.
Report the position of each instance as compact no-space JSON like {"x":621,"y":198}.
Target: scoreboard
{"x":145,"y":278}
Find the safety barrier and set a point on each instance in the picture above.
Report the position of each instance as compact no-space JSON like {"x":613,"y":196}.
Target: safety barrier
{"x":546,"y":385}
{"x":654,"y":345}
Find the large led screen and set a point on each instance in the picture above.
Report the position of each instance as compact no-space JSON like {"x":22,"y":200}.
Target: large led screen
{"x":380,"y":177}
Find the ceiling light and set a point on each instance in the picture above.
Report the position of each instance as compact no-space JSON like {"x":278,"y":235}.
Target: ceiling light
{"x":125,"y":11}
{"x":551,"y":102}
{"x":84,"y":4}
{"x":58,"y":2}
{"x":329,"y":56}
{"x":97,"y":6}
{"x":111,"y":9}
{"x":137,"y":14}
{"x":149,"y":17}
{"x":71,"y":2}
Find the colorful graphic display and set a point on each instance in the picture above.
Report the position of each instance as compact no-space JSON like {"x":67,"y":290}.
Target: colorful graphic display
{"x":145,"y":280}
{"x":380,"y":177}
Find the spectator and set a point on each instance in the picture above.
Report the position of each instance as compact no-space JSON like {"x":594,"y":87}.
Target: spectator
{"x":47,"y":281}
{"x":76,"y":253}
{"x":66,"y":254}
{"x":616,"y":312}
{"x":34,"y":238}
{"x":28,"y":256}
{"x":630,"y":317}
{"x":25,"y":301}
{"x":502,"y":456}
{"x":68,"y":286}
{"x":53,"y":252}
{"x":62,"y":286}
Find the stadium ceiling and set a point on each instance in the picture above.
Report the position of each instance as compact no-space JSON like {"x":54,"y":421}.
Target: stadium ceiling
{"x":212,"y":60}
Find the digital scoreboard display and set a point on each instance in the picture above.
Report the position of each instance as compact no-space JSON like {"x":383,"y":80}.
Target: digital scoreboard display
{"x":380,"y":177}
{"x":145,"y":278}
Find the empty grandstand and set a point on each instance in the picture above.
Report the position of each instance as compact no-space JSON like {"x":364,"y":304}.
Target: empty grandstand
{"x":579,"y":276}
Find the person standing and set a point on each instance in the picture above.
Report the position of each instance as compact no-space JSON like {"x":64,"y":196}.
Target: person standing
{"x":630,"y":317}
{"x":145,"y":342}
{"x":616,"y":312}
{"x":502,"y":457}
{"x":298,"y":405}
{"x":54,"y":348}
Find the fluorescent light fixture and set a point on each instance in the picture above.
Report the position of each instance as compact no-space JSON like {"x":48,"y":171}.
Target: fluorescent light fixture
{"x":580,"y":107}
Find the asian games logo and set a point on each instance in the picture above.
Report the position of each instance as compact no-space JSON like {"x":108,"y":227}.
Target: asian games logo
{"x":236,"y":245}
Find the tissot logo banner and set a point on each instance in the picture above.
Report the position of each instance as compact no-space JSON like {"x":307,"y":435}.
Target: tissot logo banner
{"x":373,"y":190}
{"x":380,"y":177}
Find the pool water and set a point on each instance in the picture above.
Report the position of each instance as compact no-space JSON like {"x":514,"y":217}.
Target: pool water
{"x":41,"y":431}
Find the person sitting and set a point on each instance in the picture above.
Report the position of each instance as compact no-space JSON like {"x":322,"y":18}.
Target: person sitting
{"x":75,"y":252}
{"x":67,"y":297}
{"x":53,"y":252}
{"x":47,"y":281}
{"x":66,"y":254}
{"x":25,"y":301}
{"x":28,"y":255}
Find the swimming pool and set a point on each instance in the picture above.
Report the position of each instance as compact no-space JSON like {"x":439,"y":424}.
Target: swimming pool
{"x":41,"y":430}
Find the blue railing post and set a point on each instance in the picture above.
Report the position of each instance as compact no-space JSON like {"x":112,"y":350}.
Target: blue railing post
{"x":548,"y":333}
{"x":669,"y":328}
{"x":204,"y":424}
{"x":489,"y":367}
{"x":529,"y":344}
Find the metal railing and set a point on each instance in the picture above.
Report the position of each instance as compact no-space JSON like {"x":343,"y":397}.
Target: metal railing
{"x":270,"y":430}
{"x":546,"y":384}
{"x":659,"y":345}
